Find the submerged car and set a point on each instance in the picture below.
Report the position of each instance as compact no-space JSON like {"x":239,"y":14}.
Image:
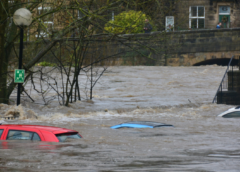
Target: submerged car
{"x":231,"y":113}
{"x":141,"y":124}
{"x":37,"y":133}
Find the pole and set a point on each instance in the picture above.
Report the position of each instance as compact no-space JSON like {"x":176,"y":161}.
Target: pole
{"x":239,"y":62}
{"x":20,"y":63}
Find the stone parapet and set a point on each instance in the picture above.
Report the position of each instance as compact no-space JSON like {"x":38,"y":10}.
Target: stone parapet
{"x":178,"y":48}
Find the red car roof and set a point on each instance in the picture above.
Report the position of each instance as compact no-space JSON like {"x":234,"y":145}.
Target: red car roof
{"x":55,"y":130}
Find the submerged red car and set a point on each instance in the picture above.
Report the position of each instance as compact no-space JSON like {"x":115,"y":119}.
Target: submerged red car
{"x":36,"y":133}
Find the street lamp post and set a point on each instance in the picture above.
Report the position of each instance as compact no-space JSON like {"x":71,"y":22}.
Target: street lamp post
{"x":22,"y":17}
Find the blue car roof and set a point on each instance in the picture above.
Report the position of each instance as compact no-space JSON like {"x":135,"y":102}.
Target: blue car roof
{"x":140,"y":124}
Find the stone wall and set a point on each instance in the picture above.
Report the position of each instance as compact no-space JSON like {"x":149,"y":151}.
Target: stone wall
{"x":202,"y":45}
{"x":211,"y":12}
{"x":180,"y":48}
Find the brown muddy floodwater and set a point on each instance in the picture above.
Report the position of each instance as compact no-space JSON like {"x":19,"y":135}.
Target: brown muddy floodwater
{"x":181,"y":96}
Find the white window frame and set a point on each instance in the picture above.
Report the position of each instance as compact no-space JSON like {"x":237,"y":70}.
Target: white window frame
{"x":40,"y":8}
{"x":197,"y":17}
{"x":112,"y":15}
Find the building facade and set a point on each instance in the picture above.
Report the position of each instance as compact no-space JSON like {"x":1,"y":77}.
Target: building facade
{"x":206,"y":14}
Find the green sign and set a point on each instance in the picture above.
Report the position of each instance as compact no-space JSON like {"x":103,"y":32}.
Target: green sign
{"x":19,"y":75}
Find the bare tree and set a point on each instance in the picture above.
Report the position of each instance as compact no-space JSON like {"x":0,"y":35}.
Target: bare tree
{"x":70,"y":34}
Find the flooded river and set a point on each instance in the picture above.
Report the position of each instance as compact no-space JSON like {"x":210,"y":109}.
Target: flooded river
{"x":181,"y":96}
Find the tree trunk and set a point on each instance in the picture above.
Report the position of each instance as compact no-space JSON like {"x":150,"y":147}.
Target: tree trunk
{"x":3,"y":53}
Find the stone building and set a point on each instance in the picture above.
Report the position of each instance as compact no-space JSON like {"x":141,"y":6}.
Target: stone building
{"x":194,"y":31}
{"x":188,"y":14}
{"x":205,"y":14}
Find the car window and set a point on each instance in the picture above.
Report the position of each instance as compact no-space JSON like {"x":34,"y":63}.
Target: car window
{"x":232,"y":115}
{"x":63,"y":137}
{"x":22,"y":135}
{"x":36,"y":137}
{"x":1,"y":131}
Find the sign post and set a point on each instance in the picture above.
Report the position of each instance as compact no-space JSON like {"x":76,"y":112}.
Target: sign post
{"x":21,"y":17}
{"x":169,"y":24}
{"x":19,"y":76}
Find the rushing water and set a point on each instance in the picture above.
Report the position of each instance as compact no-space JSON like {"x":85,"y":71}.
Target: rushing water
{"x":181,"y":96}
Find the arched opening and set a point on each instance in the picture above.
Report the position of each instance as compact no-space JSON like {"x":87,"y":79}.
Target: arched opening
{"x":220,"y":62}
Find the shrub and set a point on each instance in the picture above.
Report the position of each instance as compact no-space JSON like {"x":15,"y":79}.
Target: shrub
{"x":127,"y":22}
{"x":44,"y":63}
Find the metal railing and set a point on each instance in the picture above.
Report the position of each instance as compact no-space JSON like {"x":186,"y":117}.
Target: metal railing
{"x":224,"y":82}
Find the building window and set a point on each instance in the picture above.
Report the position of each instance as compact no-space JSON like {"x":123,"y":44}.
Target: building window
{"x":80,"y":14}
{"x":224,"y":10}
{"x":46,"y":22}
{"x":11,"y":1}
{"x":112,"y":15}
{"x":196,"y":17}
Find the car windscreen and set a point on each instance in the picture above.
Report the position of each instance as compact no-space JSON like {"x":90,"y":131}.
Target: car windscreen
{"x":148,"y":123}
{"x":232,"y":115}
{"x":64,"y":136}
{"x":238,"y":107}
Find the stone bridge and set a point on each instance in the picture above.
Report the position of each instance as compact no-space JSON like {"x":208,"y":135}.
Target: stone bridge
{"x":203,"y":47}
{"x":179,"y":48}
